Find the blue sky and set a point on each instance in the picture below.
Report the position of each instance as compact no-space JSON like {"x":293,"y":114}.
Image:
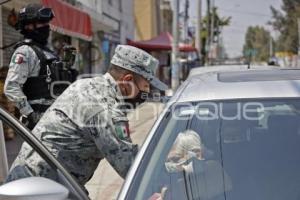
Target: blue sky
{"x":244,"y":13}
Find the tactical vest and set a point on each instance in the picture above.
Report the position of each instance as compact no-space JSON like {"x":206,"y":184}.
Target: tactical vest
{"x":53,"y":77}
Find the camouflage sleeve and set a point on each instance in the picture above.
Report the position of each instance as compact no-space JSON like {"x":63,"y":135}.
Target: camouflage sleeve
{"x":19,"y":70}
{"x":118,"y":152}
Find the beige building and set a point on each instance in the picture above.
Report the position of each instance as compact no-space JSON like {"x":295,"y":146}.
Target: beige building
{"x":147,"y":18}
{"x":152,"y":17}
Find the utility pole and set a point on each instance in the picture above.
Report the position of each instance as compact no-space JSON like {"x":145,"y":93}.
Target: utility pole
{"x":212,"y":27}
{"x":207,"y":45}
{"x":186,"y":17}
{"x":175,"y":67}
{"x":271,"y":47}
{"x":212,"y":24}
{"x":198,"y":29}
{"x":298,"y":20}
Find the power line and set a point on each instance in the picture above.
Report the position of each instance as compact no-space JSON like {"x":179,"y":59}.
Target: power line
{"x":235,"y":31}
{"x":245,"y":13}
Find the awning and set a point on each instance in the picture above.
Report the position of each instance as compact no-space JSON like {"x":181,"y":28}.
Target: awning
{"x":162,"y":42}
{"x":69,"y":20}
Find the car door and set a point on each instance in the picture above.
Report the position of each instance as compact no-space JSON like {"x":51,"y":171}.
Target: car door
{"x":65,"y":187}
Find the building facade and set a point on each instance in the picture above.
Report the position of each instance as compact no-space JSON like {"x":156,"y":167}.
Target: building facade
{"x":113,"y":23}
{"x":58,"y":36}
{"x":167,"y":15}
{"x":152,"y":17}
{"x":147,"y":16}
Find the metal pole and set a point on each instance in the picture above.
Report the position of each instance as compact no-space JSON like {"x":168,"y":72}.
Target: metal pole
{"x":175,"y":67}
{"x":271,"y":47}
{"x":212,"y":27}
{"x":298,"y":19}
{"x":186,"y":17}
{"x":207,"y":45}
{"x":3,"y":156}
{"x":198,"y":29}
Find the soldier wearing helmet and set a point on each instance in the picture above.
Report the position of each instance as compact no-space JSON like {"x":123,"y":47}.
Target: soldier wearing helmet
{"x":33,"y":66}
{"x":33,"y":22}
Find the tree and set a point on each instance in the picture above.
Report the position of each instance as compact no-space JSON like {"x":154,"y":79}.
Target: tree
{"x":257,"y":40}
{"x":219,"y":23}
{"x":285,"y":21}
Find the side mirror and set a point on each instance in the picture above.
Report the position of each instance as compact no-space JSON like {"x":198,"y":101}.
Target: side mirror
{"x":33,"y":188}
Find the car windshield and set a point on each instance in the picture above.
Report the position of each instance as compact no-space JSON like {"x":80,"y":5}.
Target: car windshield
{"x":224,"y":150}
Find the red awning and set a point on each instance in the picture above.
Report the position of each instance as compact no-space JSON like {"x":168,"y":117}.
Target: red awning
{"x":69,"y":20}
{"x":162,"y":42}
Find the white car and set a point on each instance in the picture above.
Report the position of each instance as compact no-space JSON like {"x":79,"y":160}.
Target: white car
{"x":223,"y":136}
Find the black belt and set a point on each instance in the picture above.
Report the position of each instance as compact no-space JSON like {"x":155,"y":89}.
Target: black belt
{"x":39,"y":107}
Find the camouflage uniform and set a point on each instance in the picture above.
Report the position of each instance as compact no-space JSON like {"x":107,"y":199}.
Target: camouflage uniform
{"x":24,"y":64}
{"x":28,"y":61}
{"x":88,"y":123}
{"x":83,"y":126}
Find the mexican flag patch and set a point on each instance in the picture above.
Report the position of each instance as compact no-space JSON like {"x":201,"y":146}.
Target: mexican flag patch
{"x":122,"y":130}
{"x":18,"y":58}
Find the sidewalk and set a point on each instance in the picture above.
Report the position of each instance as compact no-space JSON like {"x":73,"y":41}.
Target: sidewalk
{"x":106,"y":183}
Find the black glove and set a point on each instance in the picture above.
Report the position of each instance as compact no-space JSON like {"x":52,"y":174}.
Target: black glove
{"x":30,"y":120}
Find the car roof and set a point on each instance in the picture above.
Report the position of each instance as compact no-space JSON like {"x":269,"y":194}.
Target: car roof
{"x":220,"y":68}
{"x":239,"y":84}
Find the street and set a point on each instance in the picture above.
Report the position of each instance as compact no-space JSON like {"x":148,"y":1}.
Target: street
{"x":106,"y":182}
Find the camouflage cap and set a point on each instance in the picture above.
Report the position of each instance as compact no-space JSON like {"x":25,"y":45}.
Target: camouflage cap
{"x":138,"y":61}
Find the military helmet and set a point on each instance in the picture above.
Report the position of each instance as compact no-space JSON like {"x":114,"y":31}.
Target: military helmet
{"x":34,"y":13}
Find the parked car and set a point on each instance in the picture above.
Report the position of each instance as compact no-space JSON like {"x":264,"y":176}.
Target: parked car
{"x":39,"y":188}
{"x":223,"y":135}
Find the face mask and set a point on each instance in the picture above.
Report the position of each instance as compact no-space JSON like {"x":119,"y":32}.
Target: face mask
{"x":39,"y":35}
{"x":140,"y":98}
{"x":187,"y":165}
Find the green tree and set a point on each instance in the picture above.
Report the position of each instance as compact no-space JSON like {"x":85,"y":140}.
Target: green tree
{"x":219,"y":23}
{"x":257,"y":40}
{"x":285,"y":21}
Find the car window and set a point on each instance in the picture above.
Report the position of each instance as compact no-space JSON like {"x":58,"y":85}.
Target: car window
{"x":226,"y":150}
{"x":155,"y":170}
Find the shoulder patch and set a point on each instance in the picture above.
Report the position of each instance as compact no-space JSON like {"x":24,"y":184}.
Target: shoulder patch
{"x":122,"y":130}
{"x":18,"y":58}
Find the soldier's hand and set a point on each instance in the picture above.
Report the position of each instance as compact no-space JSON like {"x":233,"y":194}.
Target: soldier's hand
{"x":29,"y":120}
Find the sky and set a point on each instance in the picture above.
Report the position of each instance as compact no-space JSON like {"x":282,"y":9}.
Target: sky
{"x":244,"y":13}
